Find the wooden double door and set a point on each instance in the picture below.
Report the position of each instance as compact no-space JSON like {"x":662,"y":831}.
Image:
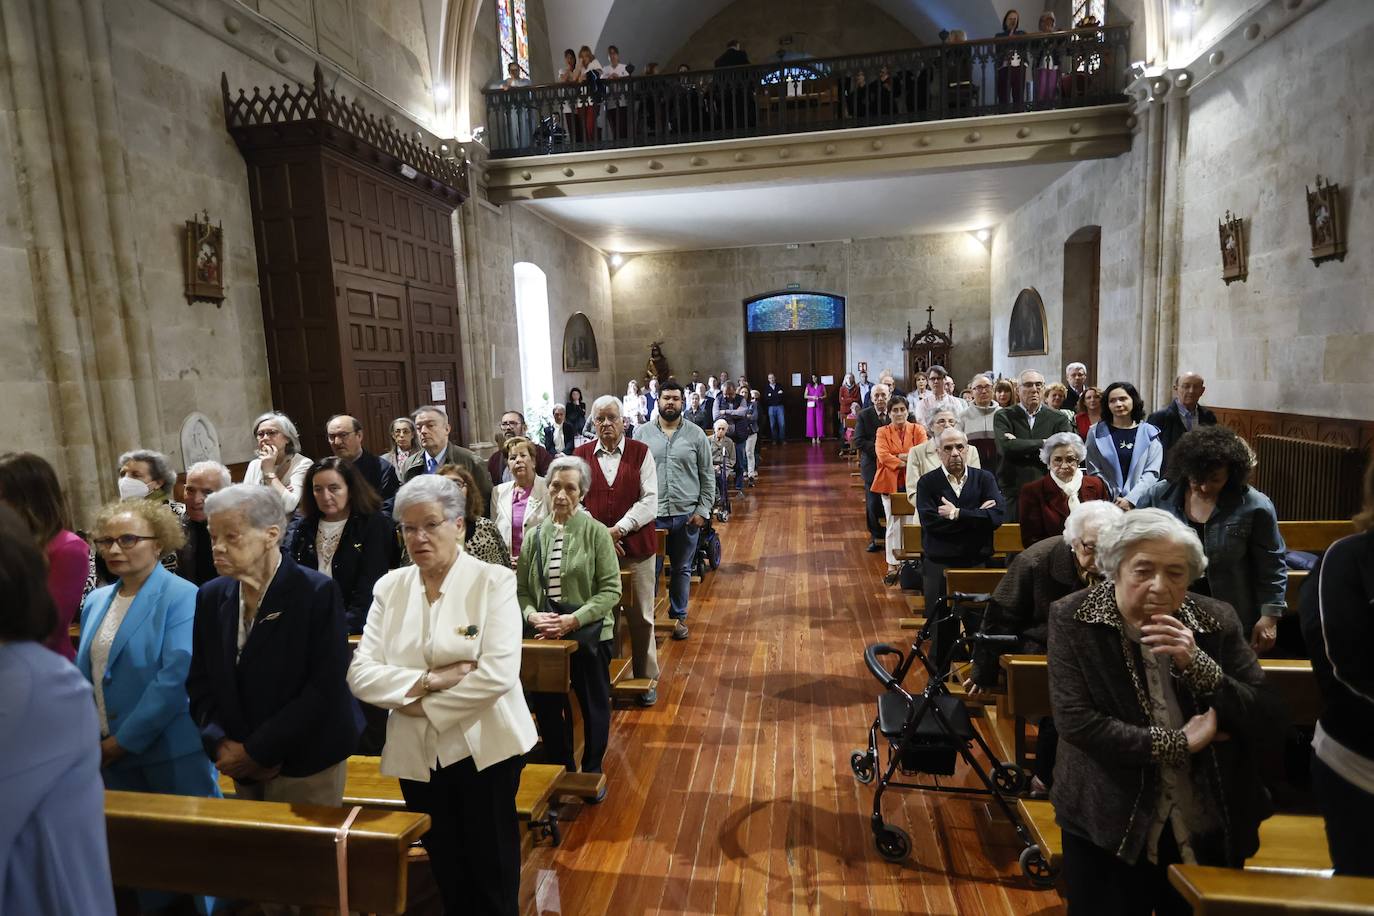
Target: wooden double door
{"x":797,"y":353}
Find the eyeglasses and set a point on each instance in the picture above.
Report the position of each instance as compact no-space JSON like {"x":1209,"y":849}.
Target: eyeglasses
{"x":1088,"y":546}
{"x":428,"y":529}
{"x":125,"y":541}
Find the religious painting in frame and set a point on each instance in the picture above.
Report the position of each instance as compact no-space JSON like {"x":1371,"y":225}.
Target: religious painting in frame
{"x":794,"y":311}
{"x":1324,"y":219}
{"x":579,"y":345}
{"x":203,"y":260}
{"x":1026,"y":333}
{"x":1234,"y":261}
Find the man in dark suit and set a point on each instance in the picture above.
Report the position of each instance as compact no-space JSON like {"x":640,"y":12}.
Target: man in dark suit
{"x":734,"y":55}
{"x":1020,"y":430}
{"x":1183,"y":414}
{"x":513,"y":424}
{"x":866,"y":438}
{"x":345,"y":435}
{"x":959,"y":507}
{"x":1076,"y":376}
{"x":560,"y":436}
{"x":432,"y":427}
{"x":269,"y":662}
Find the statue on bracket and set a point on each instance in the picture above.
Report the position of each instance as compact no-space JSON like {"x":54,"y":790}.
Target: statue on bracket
{"x":1234,"y":261}
{"x":657,"y":367}
{"x":1324,"y":219}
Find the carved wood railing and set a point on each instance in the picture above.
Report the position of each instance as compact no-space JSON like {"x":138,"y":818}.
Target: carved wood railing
{"x":307,"y":105}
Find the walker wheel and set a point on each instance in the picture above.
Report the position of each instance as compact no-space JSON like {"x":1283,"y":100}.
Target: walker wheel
{"x":1035,"y":868}
{"x":893,"y":843}
{"x":863,"y":766}
{"x":1009,"y":778}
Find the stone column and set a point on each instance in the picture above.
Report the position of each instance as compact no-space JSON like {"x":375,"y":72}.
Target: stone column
{"x":74,"y":205}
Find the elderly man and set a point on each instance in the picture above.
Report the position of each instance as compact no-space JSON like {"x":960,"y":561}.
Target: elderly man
{"x":977,"y":422}
{"x":560,"y":436}
{"x":959,"y":507}
{"x":194,"y":562}
{"x":269,"y":660}
{"x":686,"y":492}
{"x":512,"y":425}
{"x":1183,"y":414}
{"x":345,"y":435}
{"x":734,"y":410}
{"x":623,"y":496}
{"x":1076,"y":377}
{"x":1020,"y":430}
{"x":432,"y":426}
{"x":871,"y":419}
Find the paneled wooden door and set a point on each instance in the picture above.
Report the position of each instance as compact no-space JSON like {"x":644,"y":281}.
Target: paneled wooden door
{"x":789,"y":353}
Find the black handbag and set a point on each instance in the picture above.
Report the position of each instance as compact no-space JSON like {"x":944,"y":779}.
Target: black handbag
{"x":588,"y":636}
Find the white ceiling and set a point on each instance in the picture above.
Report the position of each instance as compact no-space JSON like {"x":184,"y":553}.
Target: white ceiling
{"x":783,"y":212}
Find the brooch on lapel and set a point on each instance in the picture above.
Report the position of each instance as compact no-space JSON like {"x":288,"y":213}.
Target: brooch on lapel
{"x":467,"y":632}
{"x":272,"y":616}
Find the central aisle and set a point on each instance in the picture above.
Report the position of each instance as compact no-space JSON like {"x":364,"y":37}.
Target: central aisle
{"x":734,"y":794}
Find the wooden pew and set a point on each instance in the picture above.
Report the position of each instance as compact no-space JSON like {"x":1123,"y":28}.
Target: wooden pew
{"x":545,"y":668}
{"x":1226,"y":892}
{"x":267,"y":852}
{"x":624,"y":685}
{"x":1314,"y":537}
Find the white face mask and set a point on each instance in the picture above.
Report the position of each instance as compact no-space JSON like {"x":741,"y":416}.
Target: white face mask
{"x":132,"y":488}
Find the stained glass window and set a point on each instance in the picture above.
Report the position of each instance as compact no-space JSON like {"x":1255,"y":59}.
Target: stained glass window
{"x":1084,"y":8}
{"x":515,"y":36}
{"x":795,"y":312}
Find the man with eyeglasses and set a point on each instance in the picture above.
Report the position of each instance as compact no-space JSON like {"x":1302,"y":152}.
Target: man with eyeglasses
{"x":977,"y":419}
{"x":513,"y":426}
{"x":432,"y":428}
{"x":345,"y":435}
{"x":1020,"y":431}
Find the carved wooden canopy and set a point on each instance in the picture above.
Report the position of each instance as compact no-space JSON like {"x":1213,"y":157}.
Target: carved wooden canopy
{"x":929,"y":347}
{"x":317,"y":115}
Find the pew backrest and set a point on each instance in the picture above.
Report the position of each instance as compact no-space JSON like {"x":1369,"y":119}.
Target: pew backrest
{"x":1314,"y":537}
{"x":1210,"y":891}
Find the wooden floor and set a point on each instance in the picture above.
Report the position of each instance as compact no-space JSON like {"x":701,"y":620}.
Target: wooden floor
{"x":734,"y":793}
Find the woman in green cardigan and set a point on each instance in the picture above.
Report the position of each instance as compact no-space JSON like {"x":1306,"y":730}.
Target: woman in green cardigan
{"x":573,"y":562}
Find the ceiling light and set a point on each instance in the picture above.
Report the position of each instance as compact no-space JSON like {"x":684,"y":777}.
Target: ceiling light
{"x":441,"y":93}
{"x":982,"y":235}
{"x":617,"y":259}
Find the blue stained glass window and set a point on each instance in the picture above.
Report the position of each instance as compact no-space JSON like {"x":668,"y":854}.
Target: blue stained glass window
{"x":795,"y":312}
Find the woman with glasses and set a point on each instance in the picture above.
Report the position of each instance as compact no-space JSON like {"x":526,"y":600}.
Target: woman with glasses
{"x":279,"y":463}
{"x":404,"y":443}
{"x":442,"y":651}
{"x":1045,"y":504}
{"x":136,"y":652}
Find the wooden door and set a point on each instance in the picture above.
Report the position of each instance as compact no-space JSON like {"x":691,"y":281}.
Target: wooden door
{"x":382,"y":392}
{"x":798,"y":353}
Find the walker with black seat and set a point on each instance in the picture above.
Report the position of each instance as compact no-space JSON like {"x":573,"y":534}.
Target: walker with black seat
{"x":928,"y":733}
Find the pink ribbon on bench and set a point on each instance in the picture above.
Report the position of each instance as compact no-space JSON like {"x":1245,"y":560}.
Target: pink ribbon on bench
{"x":341,"y":858}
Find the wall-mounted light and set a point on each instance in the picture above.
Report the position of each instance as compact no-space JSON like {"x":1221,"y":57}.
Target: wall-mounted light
{"x":983,"y":235}
{"x":441,"y":93}
{"x":617,"y":259}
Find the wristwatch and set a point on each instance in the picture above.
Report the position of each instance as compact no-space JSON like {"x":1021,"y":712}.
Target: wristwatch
{"x":424,"y":683}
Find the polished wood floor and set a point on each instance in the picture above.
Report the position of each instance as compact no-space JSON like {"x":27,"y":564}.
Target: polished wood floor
{"x":734,"y":793}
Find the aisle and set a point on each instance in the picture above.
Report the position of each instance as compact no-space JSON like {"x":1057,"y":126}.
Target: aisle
{"x":734,"y":794}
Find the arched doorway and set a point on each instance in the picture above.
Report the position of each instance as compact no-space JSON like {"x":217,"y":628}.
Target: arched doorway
{"x":792,"y":334}
{"x":1078,"y":324}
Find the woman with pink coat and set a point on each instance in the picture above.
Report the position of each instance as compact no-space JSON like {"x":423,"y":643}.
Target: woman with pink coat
{"x":815,"y":409}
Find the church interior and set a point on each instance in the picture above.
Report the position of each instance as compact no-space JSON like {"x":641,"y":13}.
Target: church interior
{"x":953,"y":341}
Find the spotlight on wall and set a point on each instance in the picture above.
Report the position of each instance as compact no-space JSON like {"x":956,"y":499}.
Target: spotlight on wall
{"x":982,"y":235}
{"x":617,"y":259}
{"x":441,"y":93}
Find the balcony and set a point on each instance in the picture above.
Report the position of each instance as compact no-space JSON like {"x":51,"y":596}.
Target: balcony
{"x":1058,"y":71}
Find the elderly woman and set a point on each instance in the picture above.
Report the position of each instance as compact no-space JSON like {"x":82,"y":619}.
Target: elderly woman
{"x":569,"y":582}
{"x":442,"y":650}
{"x":53,"y":854}
{"x":893,"y":445}
{"x":404,"y":443}
{"x":342,"y":533}
{"x":924,"y":458}
{"x":519,"y":504}
{"x":481,"y":537}
{"x":1123,"y":449}
{"x":1054,"y":397}
{"x":1208,"y":489}
{"x":269,"y":659}
{"x":1045,"y":504}
{"x":145,"y":474}
{"x":1145,"y":679}
{"x":279,"y":463}
{"x":136,"y":652}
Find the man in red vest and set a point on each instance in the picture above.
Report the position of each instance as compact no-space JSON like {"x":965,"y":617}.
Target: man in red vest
{"x":624,"y":498}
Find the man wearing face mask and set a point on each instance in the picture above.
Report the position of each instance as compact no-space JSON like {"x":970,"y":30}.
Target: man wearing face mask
{"x":195,"y":562}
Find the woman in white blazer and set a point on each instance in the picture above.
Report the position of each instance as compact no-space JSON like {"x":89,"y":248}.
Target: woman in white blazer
{"x":525,"y":495}
{"x":441,"y":649}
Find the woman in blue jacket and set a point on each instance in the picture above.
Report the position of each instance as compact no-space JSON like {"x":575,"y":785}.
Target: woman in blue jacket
{"x":136,"y":652}
{"x":1123,"y":449}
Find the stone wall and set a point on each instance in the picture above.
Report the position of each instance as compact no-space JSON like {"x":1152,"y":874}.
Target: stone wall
{"x":694,"y":301}
{"x":829,"y":28}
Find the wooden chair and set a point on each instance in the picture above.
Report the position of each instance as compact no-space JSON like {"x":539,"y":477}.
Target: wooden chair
{"x":1224,"y":891}
{"x":267,"y":852}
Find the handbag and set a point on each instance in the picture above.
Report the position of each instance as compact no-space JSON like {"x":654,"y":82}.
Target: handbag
{"x":588,"y":636}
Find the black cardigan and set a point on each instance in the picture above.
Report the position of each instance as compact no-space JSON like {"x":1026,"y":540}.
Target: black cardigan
{"x":1338,"y":625}
{"x":363,"y":556}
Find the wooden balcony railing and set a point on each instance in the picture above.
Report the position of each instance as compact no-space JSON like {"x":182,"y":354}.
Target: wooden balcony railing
{"x":953,"y":80}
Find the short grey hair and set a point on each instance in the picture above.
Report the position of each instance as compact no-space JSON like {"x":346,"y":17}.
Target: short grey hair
{"x":429,"y":408}
{"x":1061,"y":439}
{"x":572,"y":463}
{"x":1022,"y":377}
{"x":606,"y":400}
{"x":260,"y":505}
{"x":561,"y":407}
{"x":430,"y":488}
{"x":1117,"y":541}
{"x":213,"y":467}
{"x":958,"y":421}
{"x":945,"y":432}
{"x":161,"y":467}
{"x":1072,"y":366}
{"x":1095,"y":514}
{"x":981,"y":375}
{"x":288,"y":429}
{"x":882,"y":385}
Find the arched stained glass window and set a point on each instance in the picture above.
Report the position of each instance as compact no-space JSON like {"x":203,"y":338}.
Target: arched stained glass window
{"x":515,"y":36}
{"x":797,"y":311}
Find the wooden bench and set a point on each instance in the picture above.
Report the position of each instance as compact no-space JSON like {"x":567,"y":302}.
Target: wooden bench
{"x":624,"y":685}
{"x":267,"y":852}
{"x":1224,"y":892}
{"x":1006,"y":539}
{"x":1314,"y":537}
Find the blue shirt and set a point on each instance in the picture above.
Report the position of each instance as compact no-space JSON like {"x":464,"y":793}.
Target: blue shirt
{"x":1188,"y":417}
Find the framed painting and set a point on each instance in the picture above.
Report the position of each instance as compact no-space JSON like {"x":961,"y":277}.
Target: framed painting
{"x":1026,"y":334}
{"x":203,"y":260}
{"x":579,"y":345}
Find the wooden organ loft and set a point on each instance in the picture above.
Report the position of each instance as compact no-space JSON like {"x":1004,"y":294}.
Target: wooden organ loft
{"x":352,"y":222}
{"x":929,"y":347}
